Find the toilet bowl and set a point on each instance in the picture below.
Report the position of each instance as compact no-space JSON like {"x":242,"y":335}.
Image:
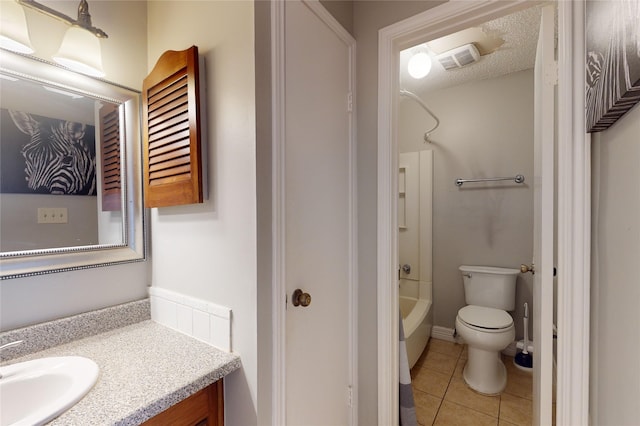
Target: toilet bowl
{"x":485,"y":325}
{"x":486,"y":331}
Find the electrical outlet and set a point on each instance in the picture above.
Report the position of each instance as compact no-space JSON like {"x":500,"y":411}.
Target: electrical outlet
{"x":60,"y":215}
{"x":52,"y":215}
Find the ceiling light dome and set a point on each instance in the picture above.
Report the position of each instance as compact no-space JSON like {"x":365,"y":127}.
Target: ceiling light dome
{"x":419,"y":65}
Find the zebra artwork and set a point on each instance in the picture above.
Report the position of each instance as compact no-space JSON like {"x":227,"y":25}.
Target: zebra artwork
{"x":59,"y":155}
{"x":612,"y":62}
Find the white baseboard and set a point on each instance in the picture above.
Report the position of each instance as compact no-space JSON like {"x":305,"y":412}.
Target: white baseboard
{"x":446,"y":334}
{"x":202,"y":320}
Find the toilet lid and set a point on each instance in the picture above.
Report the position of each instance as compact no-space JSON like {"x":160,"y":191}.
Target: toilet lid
{"x":481,"y":316}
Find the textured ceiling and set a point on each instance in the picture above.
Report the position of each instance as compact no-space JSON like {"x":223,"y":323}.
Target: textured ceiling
{"x":520,"y":34}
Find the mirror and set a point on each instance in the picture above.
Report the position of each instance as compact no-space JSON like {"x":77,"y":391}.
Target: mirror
{"x":70,"y":170}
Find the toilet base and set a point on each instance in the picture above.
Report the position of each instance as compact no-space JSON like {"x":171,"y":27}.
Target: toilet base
{"x":485,"y":372}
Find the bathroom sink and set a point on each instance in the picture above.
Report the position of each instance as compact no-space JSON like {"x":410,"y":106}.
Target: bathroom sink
{"x":34,"y":392}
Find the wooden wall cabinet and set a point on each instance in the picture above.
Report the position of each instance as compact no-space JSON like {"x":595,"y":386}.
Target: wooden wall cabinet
{"x":203,"y":408}
{"x":172,"y":157}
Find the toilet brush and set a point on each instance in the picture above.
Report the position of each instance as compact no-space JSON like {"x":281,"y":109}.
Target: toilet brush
{"x":524,"y":359}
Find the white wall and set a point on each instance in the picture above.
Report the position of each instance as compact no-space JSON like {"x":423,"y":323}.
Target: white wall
{"x":369,"y":17}
{"x":209,"y":251}
{"x":615,"y":286}
{"x":342,"y":10}
{"x":26,"y":301}
{"x":20,"y":230}
{"x":486,"y":130}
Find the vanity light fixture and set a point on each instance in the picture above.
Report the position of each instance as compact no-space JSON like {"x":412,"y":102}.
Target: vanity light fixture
{"x":14,"y":33}
{"x":80,"y":51}
{"x":80,"y":48}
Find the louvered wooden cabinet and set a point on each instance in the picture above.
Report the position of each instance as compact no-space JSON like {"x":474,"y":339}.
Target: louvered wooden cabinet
{"x":110,"y":157}
{"x":204,"y":408}
{"x":171,"y":122}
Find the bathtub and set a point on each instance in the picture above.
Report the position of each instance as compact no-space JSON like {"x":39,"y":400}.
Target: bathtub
{"x":417,"y":322}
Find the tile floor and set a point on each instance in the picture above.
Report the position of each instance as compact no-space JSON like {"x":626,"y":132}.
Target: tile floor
{"x":443,"y":398}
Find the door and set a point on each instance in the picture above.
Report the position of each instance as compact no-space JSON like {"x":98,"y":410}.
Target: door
{"x":543,"y":225}
{"x":319,"y":246}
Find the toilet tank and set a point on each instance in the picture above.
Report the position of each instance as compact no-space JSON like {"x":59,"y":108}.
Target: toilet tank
{"x":490,"y":286}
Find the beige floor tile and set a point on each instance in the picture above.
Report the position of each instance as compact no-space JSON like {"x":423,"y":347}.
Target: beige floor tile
{"x":460,"y":393}
{"x":426,"y":407}
{"x":440,"y":362}
{"x":519,"y":383}
{"x":515,"y":410}
{"x":461,"y":405}
{"x":414,"y":371}
{"x":444,"y":347}
{"x":457,"y":373}
{"x":420,"y":360}
{"x":431,"y":382}
{"x":465,"y":353}
{"x":453,"y":414}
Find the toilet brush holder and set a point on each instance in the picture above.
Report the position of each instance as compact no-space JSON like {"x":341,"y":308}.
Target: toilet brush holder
{"x":520,"y":345}
{"x":523,"y":360}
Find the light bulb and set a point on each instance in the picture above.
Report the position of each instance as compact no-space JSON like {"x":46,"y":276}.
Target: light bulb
{"x":419,"y":65}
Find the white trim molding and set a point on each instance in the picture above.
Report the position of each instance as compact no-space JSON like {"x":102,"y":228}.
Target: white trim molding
{"x":445,"y":333}
{"x":573,"y":187}
{"x":574,"y":220}
{"x":278,"y":408}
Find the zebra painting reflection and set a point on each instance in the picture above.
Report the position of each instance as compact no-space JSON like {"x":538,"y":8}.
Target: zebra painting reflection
{"x":57,"y":156}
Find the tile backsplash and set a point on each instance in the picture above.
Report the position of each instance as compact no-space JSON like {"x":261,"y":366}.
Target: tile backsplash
{"x":202,"y":320}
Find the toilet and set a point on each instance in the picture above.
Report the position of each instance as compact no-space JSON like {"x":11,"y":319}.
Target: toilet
{"x":485,"y":325}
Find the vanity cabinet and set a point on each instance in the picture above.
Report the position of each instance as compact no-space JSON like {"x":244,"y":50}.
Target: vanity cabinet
{"x":204,"y":408}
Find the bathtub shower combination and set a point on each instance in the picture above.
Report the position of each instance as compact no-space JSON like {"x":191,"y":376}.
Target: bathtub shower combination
{"x":415,"y":190}
{"x":417,"y":318}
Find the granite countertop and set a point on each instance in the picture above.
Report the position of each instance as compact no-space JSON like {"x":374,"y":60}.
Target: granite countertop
{"x":144,"y":369}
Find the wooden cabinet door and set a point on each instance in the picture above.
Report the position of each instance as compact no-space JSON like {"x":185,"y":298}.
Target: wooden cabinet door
{"x":204,"y":408}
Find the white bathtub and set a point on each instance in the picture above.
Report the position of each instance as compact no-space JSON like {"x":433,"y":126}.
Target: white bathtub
{"x":417,"y":322}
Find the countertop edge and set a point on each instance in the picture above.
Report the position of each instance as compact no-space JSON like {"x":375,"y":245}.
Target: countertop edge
{"x":161,"y":404}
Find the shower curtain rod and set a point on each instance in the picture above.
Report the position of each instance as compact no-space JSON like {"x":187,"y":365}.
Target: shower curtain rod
{"x":426,"y":108}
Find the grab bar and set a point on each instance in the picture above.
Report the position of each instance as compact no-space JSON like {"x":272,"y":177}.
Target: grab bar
{"x":516,"y":179}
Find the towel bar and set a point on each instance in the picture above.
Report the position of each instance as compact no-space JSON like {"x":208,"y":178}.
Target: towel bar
{"x":516,"y":179}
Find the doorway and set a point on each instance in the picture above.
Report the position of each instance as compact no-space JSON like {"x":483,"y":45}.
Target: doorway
{"x":485,"y":111}
{"x":446,"y":19}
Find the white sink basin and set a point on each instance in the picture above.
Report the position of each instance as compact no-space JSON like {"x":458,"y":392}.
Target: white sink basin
{"x":34,"y":392}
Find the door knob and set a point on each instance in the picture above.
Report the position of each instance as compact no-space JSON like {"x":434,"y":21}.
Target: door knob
{"x":300,"y":298}
{"x":526,"y":268}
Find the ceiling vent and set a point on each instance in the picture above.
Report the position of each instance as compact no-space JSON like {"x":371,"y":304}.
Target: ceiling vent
{"x":459,"y":57}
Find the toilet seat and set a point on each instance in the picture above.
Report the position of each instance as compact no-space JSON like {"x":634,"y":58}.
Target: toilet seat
{"x":485,"y":319}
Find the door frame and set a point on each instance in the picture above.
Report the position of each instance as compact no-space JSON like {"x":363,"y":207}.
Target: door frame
{"x":279,"y":289}
{"x":573,"y":191}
